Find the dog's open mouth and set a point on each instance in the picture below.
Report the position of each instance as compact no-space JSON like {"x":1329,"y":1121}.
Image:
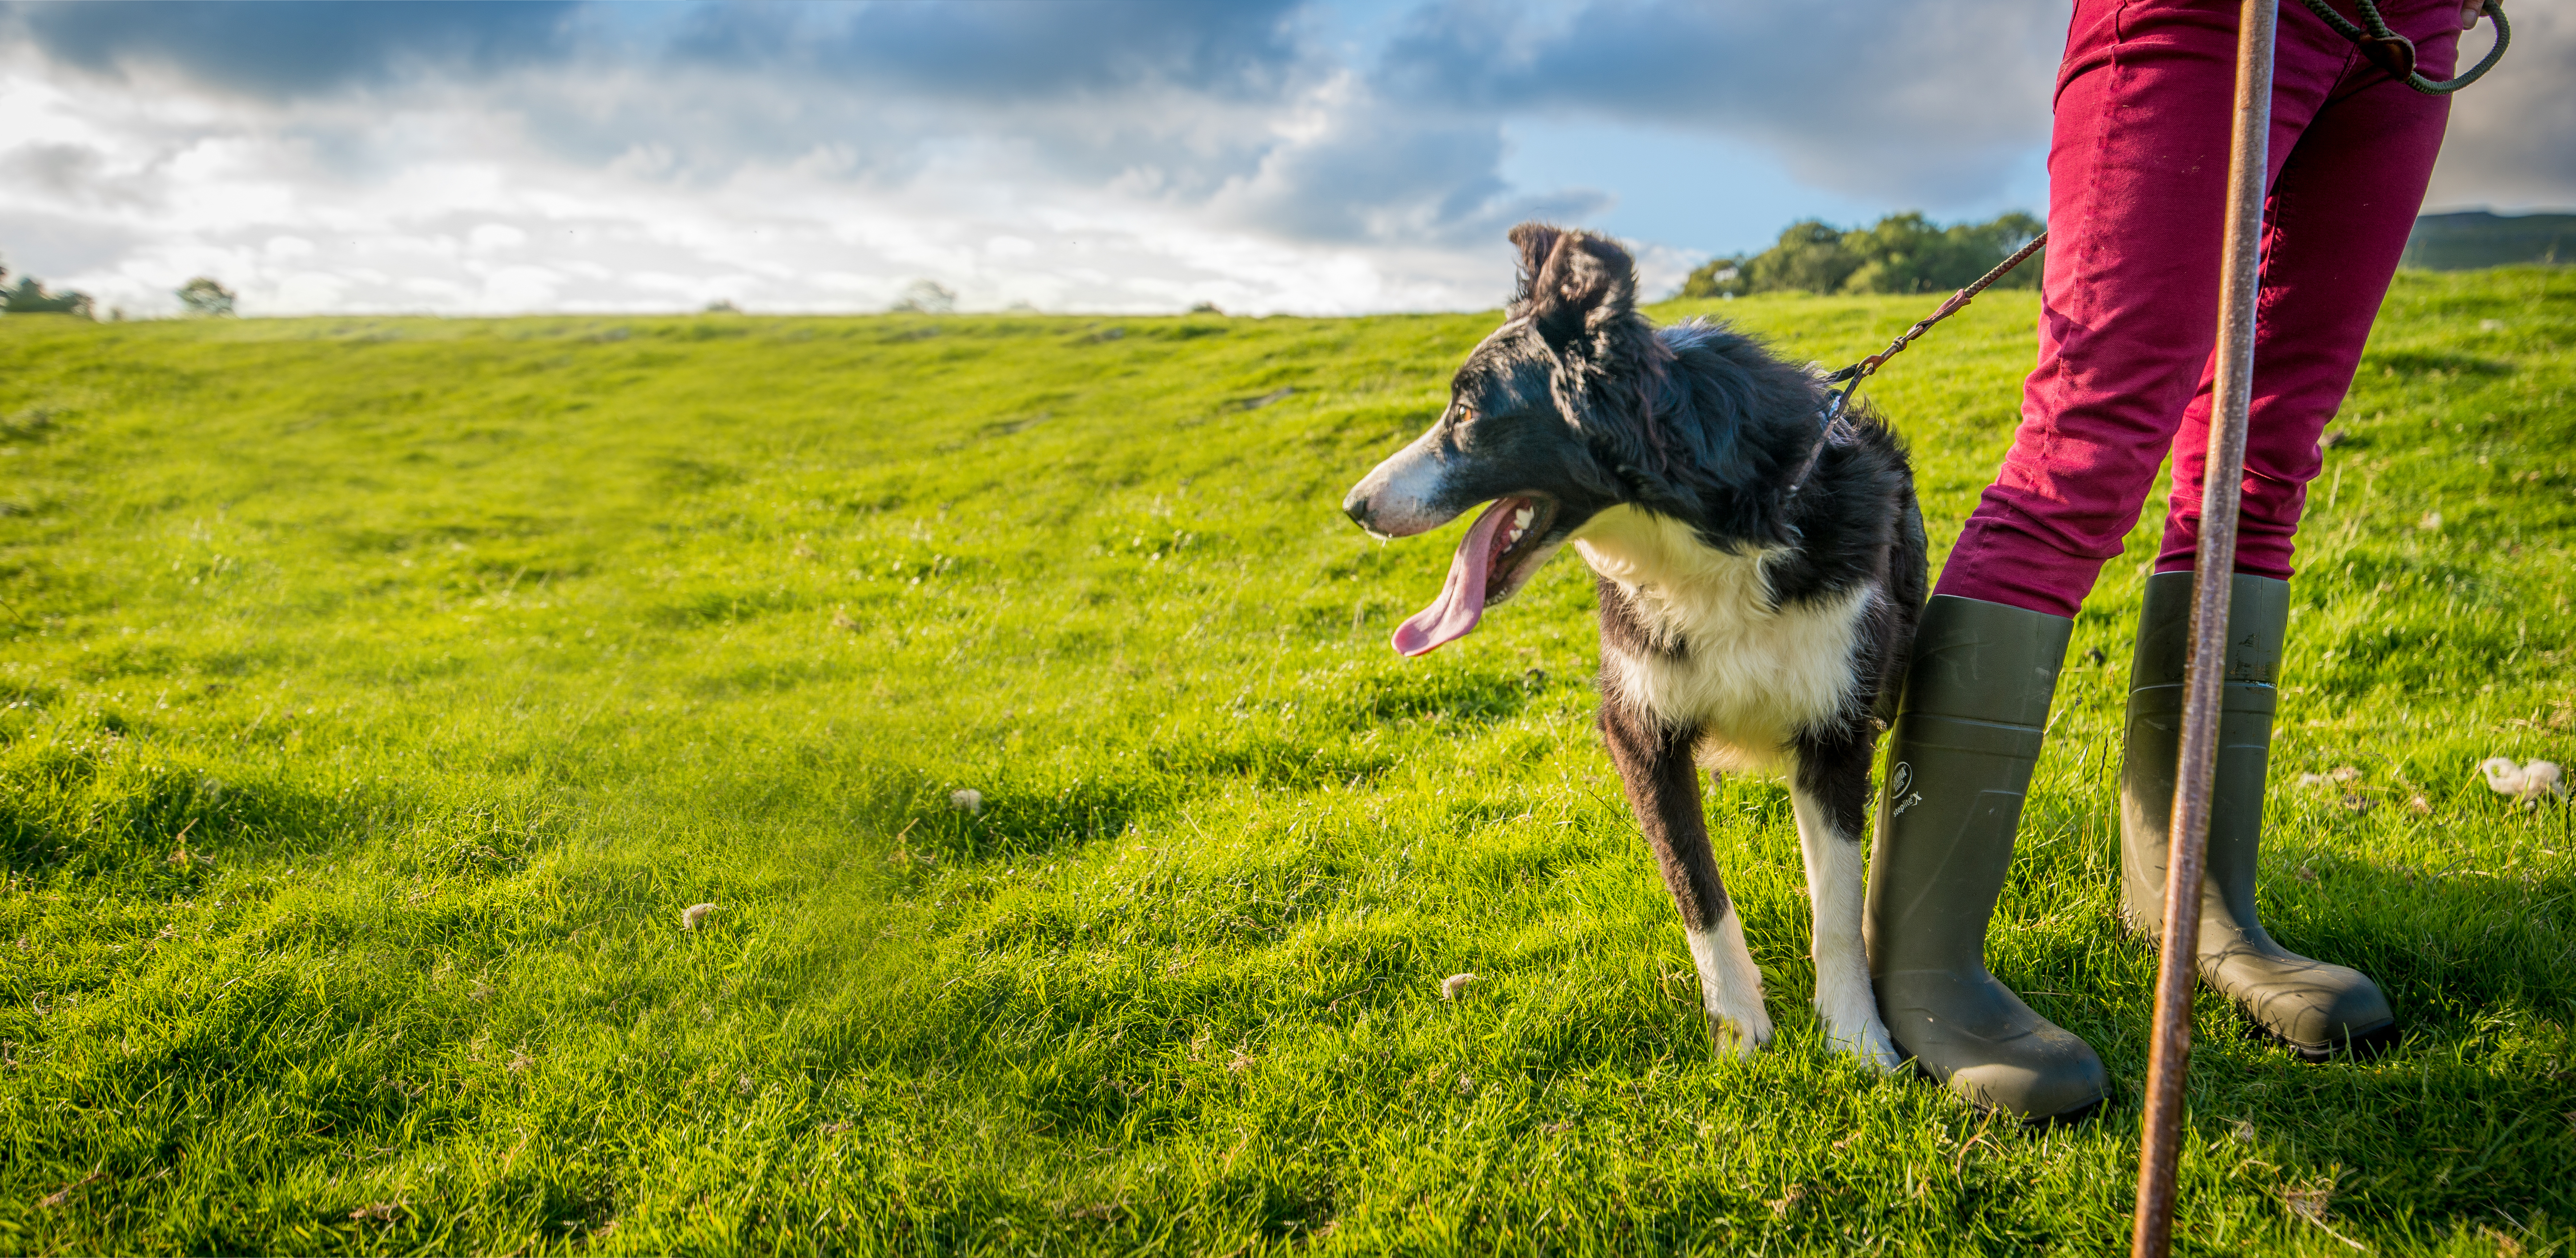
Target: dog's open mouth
{"x":1501,"y":549}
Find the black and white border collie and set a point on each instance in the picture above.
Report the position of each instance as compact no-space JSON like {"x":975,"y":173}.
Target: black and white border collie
{"x":1760,"y":580}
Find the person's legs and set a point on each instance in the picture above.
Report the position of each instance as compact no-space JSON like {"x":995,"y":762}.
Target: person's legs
{"x":2137,"y":167}
{"x":2336,"y":224}
{"x":2341,"y":205}
{"x":2136,"y":163}
{"x":2137,"y":174}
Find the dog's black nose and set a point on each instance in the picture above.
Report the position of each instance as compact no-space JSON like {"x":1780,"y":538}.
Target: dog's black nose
{"x":1357,"y":508}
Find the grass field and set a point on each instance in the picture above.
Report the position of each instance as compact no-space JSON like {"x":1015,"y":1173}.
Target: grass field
{"x":378,"y":693}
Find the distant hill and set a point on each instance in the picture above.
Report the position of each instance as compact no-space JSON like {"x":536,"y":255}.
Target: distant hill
{"x":2464,"y":242}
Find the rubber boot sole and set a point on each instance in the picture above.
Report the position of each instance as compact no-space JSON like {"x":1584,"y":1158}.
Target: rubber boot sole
{"x":2368,"y":1045}
{"x":2365,"y":1045}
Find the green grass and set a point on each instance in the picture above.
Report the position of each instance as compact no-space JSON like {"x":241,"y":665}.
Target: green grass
{"x":459,"y":657}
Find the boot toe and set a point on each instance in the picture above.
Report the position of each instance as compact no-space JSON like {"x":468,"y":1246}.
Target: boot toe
{"x":2011,"y":1061}
{"x":2316,"y":1008}
{"x":2342,"y":1005}
{"x":2050,"y":1075}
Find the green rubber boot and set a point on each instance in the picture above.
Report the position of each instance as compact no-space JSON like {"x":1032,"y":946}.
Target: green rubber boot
{"x":2316,"y":1008}
{"x":1976,"y":698}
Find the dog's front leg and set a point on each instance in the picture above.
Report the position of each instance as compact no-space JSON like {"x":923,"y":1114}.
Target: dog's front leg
{"x":1829,"y":792}
{"x":1663,"y":787}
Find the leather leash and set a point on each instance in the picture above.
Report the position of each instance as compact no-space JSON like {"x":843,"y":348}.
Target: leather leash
{"x":1851,"y":376}
{"x":1959,"y":300}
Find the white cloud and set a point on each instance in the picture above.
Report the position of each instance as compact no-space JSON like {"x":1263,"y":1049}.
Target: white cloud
{"x":495,"y":238}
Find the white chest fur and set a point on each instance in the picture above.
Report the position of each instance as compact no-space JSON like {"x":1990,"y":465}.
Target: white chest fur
{"x":1750,"y":674}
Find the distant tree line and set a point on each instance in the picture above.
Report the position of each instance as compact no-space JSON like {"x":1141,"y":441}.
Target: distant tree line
{"x":200,"y":298}
{"x":1904,"y":253}
{"x":30,"y":297}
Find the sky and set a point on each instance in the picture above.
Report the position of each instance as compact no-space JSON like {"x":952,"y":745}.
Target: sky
{"x":1296,"y":156}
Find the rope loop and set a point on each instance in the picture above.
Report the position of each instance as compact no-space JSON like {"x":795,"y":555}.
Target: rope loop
{"x":2395,"y":53}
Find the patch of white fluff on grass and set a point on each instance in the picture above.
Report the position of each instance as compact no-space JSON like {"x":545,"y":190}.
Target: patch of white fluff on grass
{"x":970,"y":801}
{"x":1454,"y":984}
{"x":2525,"y":782}
{"x":694,"y":914}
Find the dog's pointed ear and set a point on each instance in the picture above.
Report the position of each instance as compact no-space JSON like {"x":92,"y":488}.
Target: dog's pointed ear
{"x":1535,"y":242}
{"x":1578,"y":283}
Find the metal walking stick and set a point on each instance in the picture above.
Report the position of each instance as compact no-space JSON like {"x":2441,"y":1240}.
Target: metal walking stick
{"x":2213,"y":569}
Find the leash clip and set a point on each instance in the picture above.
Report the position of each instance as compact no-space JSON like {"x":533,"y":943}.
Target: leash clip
{"x":2391,"y":52}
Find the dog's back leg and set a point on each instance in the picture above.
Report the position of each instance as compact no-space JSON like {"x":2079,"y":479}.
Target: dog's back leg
{"x":1829,"y":790}
{"x":1663,"y":787}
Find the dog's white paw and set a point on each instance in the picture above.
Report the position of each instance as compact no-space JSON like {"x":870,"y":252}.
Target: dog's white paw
{"x":1730,"y":986}
{"x":1868,"y":1041}
{"x":1850,"y":1013}
{"x":1740,"y":1033}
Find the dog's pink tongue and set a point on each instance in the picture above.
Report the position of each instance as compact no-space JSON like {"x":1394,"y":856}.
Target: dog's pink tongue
{"x":1462,"y":598}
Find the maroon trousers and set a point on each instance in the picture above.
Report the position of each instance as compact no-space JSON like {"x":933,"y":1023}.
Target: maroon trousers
{"x":2137,"y":170}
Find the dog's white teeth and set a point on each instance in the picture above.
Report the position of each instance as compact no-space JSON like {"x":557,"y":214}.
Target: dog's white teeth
{"x":1521,"y":519}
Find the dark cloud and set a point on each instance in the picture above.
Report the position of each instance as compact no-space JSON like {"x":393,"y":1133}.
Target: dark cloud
{"x":2512,"y":140}
{"x":1086,"y":89}
{"x":1009,"y":50}
{"x":1906,"y":100}
{"x":1382,"y":174}
{"x":1918,"y":104}
{"x":996,"y":50}
{"x":279,"y":50}
{"x":50,"y":246}
{"x":69,"y":172}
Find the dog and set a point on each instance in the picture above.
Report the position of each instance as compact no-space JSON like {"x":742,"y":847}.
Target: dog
{"x":1761,"y":571}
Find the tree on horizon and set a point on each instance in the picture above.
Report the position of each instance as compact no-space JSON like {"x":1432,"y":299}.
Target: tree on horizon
{"x":1902,"y":253}
{"x":30,"y":297}
{"x":205,"y":299}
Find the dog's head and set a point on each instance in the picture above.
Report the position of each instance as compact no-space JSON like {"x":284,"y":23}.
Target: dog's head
{"x":1542,"y":422}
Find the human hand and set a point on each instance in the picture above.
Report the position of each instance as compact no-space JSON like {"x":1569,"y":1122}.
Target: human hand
{"x":2470,"y":12}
